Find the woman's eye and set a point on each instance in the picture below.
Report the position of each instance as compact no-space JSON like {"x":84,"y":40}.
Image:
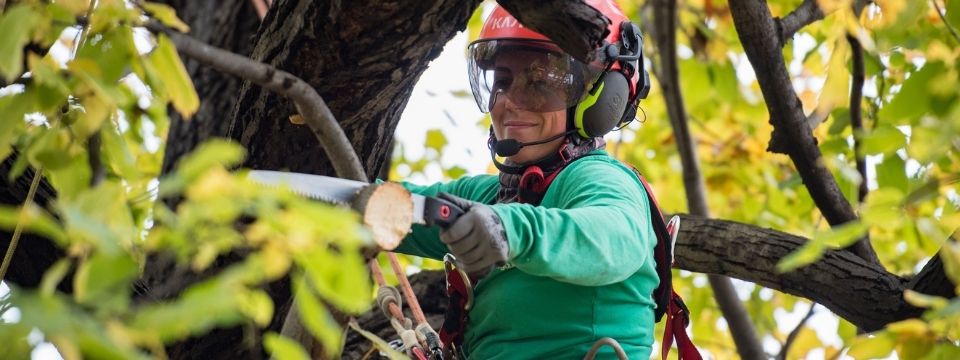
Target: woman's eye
{"x":502,"y":82}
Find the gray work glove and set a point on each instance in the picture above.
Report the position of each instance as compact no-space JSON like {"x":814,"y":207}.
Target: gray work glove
{"x":477,"y":238}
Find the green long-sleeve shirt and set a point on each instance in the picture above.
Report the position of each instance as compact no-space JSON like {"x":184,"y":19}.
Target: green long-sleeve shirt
{"x":581,"y":266}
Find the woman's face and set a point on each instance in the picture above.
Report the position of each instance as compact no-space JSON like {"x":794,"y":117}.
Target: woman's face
{"x":511,"y":120}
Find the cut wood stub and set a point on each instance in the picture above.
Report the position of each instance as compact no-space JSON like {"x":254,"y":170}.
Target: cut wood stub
{"x":387,"y":210}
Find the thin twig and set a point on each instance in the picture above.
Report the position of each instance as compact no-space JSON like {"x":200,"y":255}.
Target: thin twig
{"x":97,"y":170}
{"x":309,"y":103}
{"x":12,"y":247}
{"x":84,"y":29}
{"x":946,"y":23}
{"x":856,"y":112}
{"x":795,"y":332}
{"x":803,"y":15}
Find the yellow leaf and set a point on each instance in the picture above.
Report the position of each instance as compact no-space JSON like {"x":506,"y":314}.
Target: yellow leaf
{"x":177,"y":83}
{"x":166,"y":14}
{"x":924,"y":301}
{"x":872,"y":346}
{"x":909,"y":328}
{"x":837,"y":85}
{"x":805,"y":341}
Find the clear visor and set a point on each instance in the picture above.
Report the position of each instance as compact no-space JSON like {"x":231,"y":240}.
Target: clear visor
{"x":533,"y":75}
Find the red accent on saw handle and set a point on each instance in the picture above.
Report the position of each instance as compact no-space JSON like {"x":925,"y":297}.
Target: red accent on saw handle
{"x":439,"y":212}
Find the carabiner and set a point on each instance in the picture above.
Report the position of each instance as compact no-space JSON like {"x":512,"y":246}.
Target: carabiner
{"x":449,"y":264}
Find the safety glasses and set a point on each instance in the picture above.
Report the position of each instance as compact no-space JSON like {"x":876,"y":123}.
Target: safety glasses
{"x":533,"y":75}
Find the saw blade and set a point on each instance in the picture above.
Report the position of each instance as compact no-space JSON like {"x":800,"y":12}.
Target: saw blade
{"x":327,"y":189}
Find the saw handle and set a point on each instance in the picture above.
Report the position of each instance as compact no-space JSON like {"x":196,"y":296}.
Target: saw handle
{"x":439,"y":212}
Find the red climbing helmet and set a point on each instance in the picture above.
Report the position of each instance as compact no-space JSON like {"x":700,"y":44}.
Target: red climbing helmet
{"x":535,"y":74}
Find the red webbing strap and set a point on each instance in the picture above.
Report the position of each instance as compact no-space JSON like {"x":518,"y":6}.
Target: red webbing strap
{"x":678,"y":317}
{"x":455,"y":319}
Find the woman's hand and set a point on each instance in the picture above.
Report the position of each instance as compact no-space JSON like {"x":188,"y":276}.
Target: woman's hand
{"x":477,"y":238}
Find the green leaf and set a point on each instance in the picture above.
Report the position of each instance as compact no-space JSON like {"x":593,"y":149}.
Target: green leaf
{"x":846,"y":330}
{"x":378,"y":342}
{"x":872,"y":346}
{"x":340,"y":278}
{"x":883,"y":209}
{"x":913,"y":98}
{"x":282,"y":348}
{"x":16,"y":25}
{"x":922,"y":300}
{"x":103,"y":281}
{"x":315,"y":317}
{"x":166,"y":14}
{"x":806,"y":254}
{"x":36,"y":220}
{"x":945,"y":350}
{"x":436,"y":140}
{"x":177,"y":84}
{"x":54,"y":276}
{"x":212,"y":153}
{"x":883,"y":140}
{"x":201,"y":307}
{"x":953,"y":13}
{"x":118,"y":157}
{"x":100,"y":217}
{"x":257,"y":305}
{"x":892,"y":173}
{"x":15,"y":344}
{"x":840,"y":120}
{"x":842,"y":235}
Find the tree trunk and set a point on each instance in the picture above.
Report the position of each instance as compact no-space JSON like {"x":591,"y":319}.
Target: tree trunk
{"x":364,"y":59}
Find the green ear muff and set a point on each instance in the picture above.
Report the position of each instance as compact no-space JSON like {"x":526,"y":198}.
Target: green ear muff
{"x":603,"y":108}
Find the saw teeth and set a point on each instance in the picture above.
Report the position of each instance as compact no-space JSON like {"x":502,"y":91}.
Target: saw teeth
{"x":307,"y":195}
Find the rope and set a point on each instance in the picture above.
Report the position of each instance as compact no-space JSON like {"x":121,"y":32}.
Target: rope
{"x":388,"y":298}
{"x":605,"y":341}
{"x":12,"y":247}
{"x":407,"y":290}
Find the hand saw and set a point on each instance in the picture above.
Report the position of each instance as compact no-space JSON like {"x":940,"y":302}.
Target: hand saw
{"x":426,"y":210}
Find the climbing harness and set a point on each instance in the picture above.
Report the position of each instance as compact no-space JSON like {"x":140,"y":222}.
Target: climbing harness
{"x":669,"y":303}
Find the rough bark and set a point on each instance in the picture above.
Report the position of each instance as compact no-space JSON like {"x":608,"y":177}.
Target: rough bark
{"x":226,"y":24}
{"x":363,"y":59}
{"x":791,"y":134}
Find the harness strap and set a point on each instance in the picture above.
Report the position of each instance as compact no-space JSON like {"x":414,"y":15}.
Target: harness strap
{"x":678,"y":317}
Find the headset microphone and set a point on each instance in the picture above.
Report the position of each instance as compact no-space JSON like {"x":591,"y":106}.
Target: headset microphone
{"x":510,"y":147}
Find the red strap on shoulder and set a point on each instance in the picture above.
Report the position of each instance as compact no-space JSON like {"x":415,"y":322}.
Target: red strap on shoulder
{"x":676,"y":329}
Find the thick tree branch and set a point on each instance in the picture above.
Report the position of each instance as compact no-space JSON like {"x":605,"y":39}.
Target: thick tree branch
{"x":665,"y":27}
{"x":576,"y":27}
{"x":791,"y":134}
{"x":309,"y":103}
{"x":856,"y":290}
{"x":861,"y":292}
{"x":805,"y":14}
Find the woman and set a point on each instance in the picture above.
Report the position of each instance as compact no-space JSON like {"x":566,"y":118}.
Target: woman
{"x":561,"y":240}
